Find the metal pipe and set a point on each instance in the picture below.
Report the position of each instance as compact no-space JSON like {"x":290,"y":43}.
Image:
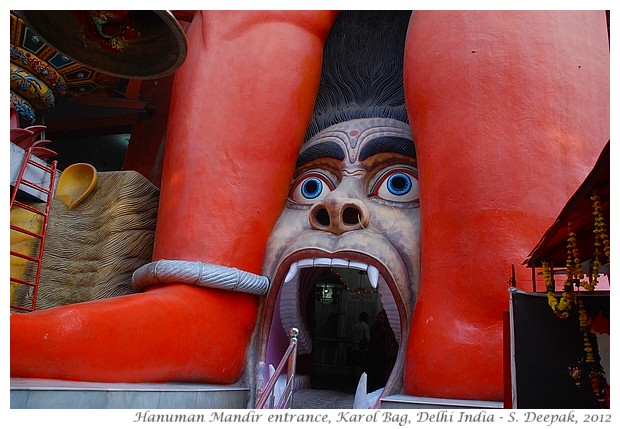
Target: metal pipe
{"x":290,"y":358}
{"x":292,"y":366}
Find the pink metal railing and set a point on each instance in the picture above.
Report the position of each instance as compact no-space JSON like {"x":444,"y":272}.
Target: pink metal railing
{"x":289,"y":358}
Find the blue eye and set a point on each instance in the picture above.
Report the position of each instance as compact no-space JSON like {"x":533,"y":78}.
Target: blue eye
{"x":310,"y":188}
{"x":398,"y":184}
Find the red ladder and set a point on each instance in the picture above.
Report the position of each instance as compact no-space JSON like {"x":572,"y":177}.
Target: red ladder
{"x":51,"y":170}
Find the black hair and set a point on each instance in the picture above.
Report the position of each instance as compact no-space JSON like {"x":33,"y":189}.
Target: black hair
{"x":362,"y":74}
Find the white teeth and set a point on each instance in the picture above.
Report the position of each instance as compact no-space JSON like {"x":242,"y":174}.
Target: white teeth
{"x":305,"y":263}
{"x":373,"y":276}
{"x":373,"y":273}
{"x":358,"y":265}
{"x":322,"y":262}
{"x":340,"y":263}
{"x":292,"y":272}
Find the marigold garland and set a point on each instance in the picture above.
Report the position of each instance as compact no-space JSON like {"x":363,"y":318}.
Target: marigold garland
{"x":601,"y":239}
{"x":595,"y":373}
{"x":562,"y":307}
{"x":574,"y":270}
{"x":575,"y":277}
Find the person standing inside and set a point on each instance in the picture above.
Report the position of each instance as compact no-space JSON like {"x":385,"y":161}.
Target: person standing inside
{"x":360,"y":337}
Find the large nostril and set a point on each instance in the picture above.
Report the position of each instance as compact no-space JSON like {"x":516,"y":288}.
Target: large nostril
{"x":338,"y":215}
{"x":322,"y":217}
{"x":351,"y":216}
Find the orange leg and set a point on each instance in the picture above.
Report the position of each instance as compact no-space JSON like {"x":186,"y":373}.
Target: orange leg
{"x":509,"y":111}
{"x":239,"y":110}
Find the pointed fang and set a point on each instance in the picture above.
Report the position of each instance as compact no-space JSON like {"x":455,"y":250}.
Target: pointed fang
{"x":373,"y":276}
{"x":292,"y":272}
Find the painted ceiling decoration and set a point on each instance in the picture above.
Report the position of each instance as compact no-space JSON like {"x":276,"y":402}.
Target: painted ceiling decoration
{"x":129,"y":44}
{"x":40,"y":74}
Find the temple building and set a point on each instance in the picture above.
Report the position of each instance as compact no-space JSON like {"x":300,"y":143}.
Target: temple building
{"x":305,"y":209}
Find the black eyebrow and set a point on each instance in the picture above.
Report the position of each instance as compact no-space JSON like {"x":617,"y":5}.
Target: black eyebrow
{"x":326,"y":149}
{"x":387,"y":144}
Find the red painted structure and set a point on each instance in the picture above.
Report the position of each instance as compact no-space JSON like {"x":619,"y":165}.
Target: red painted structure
{"x":509,"y":111}
{"x":233,"y":137}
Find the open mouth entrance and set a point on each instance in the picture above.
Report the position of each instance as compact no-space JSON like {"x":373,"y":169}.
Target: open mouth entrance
{"x":340,"y":351}
{"x":325,"y":303}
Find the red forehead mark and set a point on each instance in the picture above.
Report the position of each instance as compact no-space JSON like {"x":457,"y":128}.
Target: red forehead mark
{"x":353,"y":133}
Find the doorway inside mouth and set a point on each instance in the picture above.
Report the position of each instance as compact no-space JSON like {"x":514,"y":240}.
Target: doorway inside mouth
{"x":334,"y":300}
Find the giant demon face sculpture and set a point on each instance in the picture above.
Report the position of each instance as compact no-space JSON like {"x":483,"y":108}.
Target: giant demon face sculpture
{"x":353,"y":203}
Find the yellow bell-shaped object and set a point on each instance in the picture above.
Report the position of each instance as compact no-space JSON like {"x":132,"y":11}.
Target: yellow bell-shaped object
{"x":75,"y":183}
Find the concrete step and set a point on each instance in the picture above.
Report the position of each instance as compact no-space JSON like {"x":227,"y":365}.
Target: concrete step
{"x":310,"y":399}
{"x":406,"y":401}
{"x":49,"y":394}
